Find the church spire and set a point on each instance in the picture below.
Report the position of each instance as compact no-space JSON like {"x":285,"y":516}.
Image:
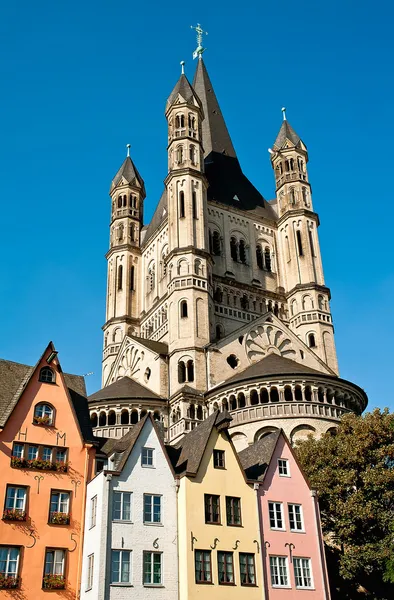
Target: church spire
{"x":287,"y":133}
{"x":215,"y":135}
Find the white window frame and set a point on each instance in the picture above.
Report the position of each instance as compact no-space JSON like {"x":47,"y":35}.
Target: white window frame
{"x":37,"y":453}
{"x":51,"y":453}
{"x":15,"y":499}
{"x":121,"y":563}
{"x":275,"y":505}
{"x":144,"y":456}
{"x":7,"y":572}
{"x":60,"y":501}
{"x":292,"y":516}
{"x":286,"y":465}
{"x":121,"y":494}
{"x":297,"y":563}
{"x":57,"y":553}
{"x":22,"y":454}
{"x":93,"y":511}
{"x":63,"y":452}
{"x":89,"y":579}
{"x":278,"y":566}
{"x":151,"y":521}
{"x":44,"y":410}
{"x":151,"y":582}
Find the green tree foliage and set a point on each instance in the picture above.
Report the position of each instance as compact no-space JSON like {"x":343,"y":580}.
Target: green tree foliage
{"x":353,"y":473}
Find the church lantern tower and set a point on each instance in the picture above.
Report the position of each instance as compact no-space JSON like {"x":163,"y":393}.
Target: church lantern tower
{"x":308,"y":297}
{"x":123,"y":257}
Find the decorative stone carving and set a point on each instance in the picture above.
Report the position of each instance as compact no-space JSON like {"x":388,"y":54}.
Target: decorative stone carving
{"x":267,"y":338}
{"x":129,"y":364}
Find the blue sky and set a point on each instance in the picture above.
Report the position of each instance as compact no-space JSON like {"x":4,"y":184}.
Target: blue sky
{"x":81,"y":80}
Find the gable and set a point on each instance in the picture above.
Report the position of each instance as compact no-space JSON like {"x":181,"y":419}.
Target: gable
{"x":232,"y":474}
{"x":253,"y":343}
{"x":292,"y":486}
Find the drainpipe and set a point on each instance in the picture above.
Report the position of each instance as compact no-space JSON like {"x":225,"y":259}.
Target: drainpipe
{"x":106,"y":530}
{"x":88,"y":448}
{"x":177,"y":485}
{"x":256,"y":487}
{"x":319,"y":533}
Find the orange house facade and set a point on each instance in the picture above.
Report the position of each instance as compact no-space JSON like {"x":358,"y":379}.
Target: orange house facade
{"x":46,"y":458}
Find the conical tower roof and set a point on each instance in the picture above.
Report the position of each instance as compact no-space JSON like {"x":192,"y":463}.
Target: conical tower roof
{"x":129,"y":173}
{"x":286,"y":132}
{"x":185,"y":90}
{"x":215,"y":135}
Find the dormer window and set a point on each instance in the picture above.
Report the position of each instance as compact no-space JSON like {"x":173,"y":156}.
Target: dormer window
{"x":47,"y":375}
{"x":43,"y":415}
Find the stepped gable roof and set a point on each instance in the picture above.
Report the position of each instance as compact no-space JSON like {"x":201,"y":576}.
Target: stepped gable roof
{"x":227,"y":183}
{"x":124,"y":388}
{"x":129,"y":172}
{"x":159,"y":216}
{"x":189,"y":451}
{"x":274,"y":364}
{"x":286,"y":132}
{"x":158,"y":347}
{"x":14,"y":378}
{"x":255,"y":459}
{"x":183,"y":88}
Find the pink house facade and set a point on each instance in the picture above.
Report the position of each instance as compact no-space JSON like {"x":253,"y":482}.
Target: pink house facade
{"x":291,"y":537}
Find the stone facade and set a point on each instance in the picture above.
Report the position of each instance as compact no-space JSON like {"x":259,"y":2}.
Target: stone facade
{"x":219,"y":281}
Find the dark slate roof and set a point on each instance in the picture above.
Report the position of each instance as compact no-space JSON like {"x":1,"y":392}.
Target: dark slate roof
{"x":256,"y":458}
{"x":183,"y":88}
{"x":286,"y":132}
{"x":188,"y":453}
{"x":125,"y":388}
{"x":158,"y":347}
{"x":215,"y":135}
{"x":15,"y":376}
{"x":274,"y":364}
{"x":159,"y":216}
{"x":129,"y":171}
{"x":123,"y":446}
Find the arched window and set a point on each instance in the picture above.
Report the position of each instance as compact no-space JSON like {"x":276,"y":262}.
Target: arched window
{"x":156,"y":416}
{"x":134,"y":417}
{"x":287,"y":165}
{"x":311,"y":243}
{"x":47,"y":375}
{"x":254,"y":397}
{"x":102,"y":419}
{"x":234,"y":249}
{"x":179,"y":155}
{"x":216,"y":245}
{"x":93,"y":419}
{"x":291,"y":161}
{"x":43,"y":414}
{"x":151,"y":277}
{"x":119,"y":201}
{"x":143,"y":413}
{"x":311,"y":340}
{"x":292,"y":196}
{"x":199,"y":413}
{"x":244,"y":302}
{"x":300,"y":163}
{"x":192,"y":154}
{"x":264,"y":397}
{"x":304,"y":196}
{"x":288,"y":394}
{"x":111,"y":417}
{"x":242,"y":251}
{"x":233,"y":403}
{"x":320,"y":301}
{"x":192,"y":122}
{"x":308,"y":393}
{"x":274,"y":395}
{"x":181,"y":372}
{"x":124,"y":200}
{"x":120,"y":230}
{"x":191,"y":411}
{"x":280,"y":167}
{"x":298,"y":393}
{"x":241,"y":400}
{"x":131,"y":278}
{"x":218,"y":332}
{"x":183,"y":309}
{"x":190,"y":370}
{"x":288,"y":255}
{"x":181,"y":205}
{"x":320,"y":395}
{"x":267,"y":259}
{"x":224,"y":404}
{"x":210,"y":241}
{"x":120,"y":277}
{"x":124,"y":417}
{"x":194,"y":205}
{"x":299,"y":243}
{"x":259,"y":257}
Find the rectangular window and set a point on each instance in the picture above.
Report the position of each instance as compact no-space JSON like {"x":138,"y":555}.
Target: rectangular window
{"x":247,"y":569}
{"x":276,"y":515}
{"x":295,"y":517}
{"x":122,"y":506}
{"x":18,"y":450}
{"x":147,"y":457}
{"x":218,"y":459}
{"x":212,"y":508}
{"x":120,"y":566}
{"x":47,"y":453}
{"x":225,"y":568}
{"x":33,"y":452}
{"x":202,"y":562}
{"x":89,"y":583}
{"x":61,"y":456}
{"x":278,"y":568}
{"x":152,"y":508}
{"x":60,"y":507}
{"x":152,"y":568}
{"x":283,"y":467}
{"x":303,"y":573}
{"x":16,"y":498}
{"x":9,"y":563}
{"x":93,"y":511}
{"x":54,"y":562}
{"x":299,"y":243}
{"x":233,"y":510}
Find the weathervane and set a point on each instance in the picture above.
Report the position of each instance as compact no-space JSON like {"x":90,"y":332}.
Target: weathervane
{"x":200,"y":49}
{"x":284,"y":113}
{"x":128,"y":146}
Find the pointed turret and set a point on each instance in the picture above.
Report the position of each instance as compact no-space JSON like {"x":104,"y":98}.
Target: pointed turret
{"x":215,"y":135}
{"x":127,"y":175}
{"x":287,"y":136}
{"x":183,"y":93}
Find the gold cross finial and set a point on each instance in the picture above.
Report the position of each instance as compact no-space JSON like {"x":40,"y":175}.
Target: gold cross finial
{"x":200,"y":49}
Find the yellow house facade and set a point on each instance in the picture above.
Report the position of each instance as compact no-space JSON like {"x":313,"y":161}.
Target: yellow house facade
{"x":218,"y":527}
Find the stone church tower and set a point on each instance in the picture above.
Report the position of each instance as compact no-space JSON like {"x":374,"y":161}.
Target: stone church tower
{"x":220,"y":301}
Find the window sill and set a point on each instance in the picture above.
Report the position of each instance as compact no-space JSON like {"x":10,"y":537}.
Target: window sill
{"x":297,"y":531}
{"x":277,"y":529}
{"x":249,"y":585}
{"x":204,"y":582}
{"x":153,"y":585}
{"x":122,"y":521}
{"x":282,"y":587}
{"x":119,"y":584}
{"x":221,"y":468}
{"x":212,"y":523}
{"x":288,"y":476}
{"x":231,"y":583}
{"x":311,"y":589}
{"x":149,"y":524}
{"x":148,"y":467}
